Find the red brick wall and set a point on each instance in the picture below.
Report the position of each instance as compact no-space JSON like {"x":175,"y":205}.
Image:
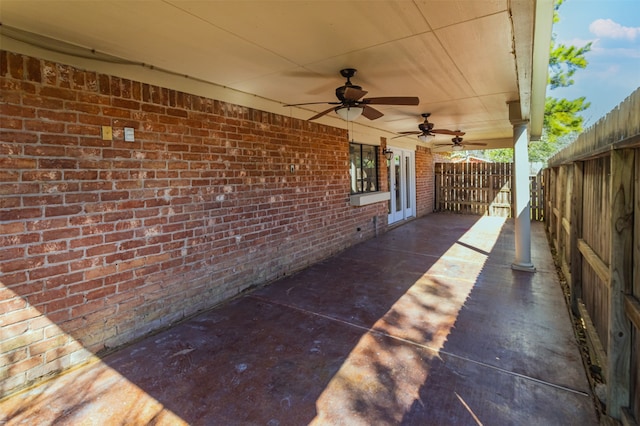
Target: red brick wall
{"x":105,"y":241}
{"x":425,"y":181}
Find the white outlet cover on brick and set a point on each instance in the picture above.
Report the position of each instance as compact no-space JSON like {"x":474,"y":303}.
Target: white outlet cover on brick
{"x":129,"y":134}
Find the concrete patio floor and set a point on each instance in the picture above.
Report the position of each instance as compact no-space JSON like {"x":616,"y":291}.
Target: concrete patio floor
{"x":426,"y":324}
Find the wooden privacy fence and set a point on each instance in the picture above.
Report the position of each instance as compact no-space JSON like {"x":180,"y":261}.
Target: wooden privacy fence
{"x":536,"y":190}
{"x":474,"y":188}
{"x":593,"y":200}
{"x":483,"y":188}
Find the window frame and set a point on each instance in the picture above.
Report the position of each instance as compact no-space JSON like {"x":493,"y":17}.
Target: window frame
{"x":363,"y":184}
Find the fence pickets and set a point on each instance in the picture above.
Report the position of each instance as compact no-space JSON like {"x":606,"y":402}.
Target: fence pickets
{"x":483,"y":189}
{"x":474,"y":188}
{"x":593,"y":193}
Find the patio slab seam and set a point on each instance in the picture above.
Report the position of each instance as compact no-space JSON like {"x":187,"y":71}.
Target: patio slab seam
{"x":438,"y":352}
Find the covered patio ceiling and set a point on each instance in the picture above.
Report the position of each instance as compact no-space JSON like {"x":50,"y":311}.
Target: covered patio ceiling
{"x":465,"y":60}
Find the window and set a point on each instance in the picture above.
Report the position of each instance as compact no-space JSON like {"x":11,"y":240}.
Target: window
{"x":363,"y":168}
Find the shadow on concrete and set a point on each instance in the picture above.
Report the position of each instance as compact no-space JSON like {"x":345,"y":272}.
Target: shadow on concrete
{"x":426,"y":324}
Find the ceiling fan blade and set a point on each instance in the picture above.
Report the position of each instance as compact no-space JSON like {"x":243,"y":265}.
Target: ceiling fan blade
{"x":313,"y":103}
{"x":475,"y":143}
{"x":325,"y":112}
{"x":371,"y":113}
{"x":415,"y":132}
{"x":353,"y":94}
{"x":448,"y":132}
{"x":392,"y":100}
{"x":443,"y":144}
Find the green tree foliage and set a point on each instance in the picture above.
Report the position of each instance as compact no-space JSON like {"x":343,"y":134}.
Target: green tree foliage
{"x":561,"y":116}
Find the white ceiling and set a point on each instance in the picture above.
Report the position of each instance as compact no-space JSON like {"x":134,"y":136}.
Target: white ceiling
{"x":464,"y":59}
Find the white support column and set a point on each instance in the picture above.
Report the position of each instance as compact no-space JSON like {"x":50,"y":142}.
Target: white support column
{"x":522,"y":196}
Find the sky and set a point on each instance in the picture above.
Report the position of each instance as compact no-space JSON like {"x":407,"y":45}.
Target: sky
{"x":613,"y":72}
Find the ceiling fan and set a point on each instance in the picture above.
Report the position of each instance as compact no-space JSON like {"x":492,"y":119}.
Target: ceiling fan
{"x":427,"y":131}
{"x":458,"y":145}
{"x":351,"y":104}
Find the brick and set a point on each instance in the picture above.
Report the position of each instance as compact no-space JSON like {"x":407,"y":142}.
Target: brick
{"x":17,"y":163}
{"x":34,"y":72}
{"x":46,"y":345}
{"x":4,"y":63}
{"x":17,"y":137}
{"x":45,"y":163}
{"x":116,"y":112}
{"x":62,"y":210}
{"x":46,"y":248}
{"x":57,"y":234}
{"x":40,"y":175}
{"x":65,"y":303}
{"x":96,"y":120}
{"x":64,"y":139}
{"x":58,"y":93}
{"x":19,"y":214}
{"x":86,"y":130}
{"x":127,"y":104}
{"x":87,"y":308}
{"x":19,"y":189}
{"x":86,"y":241}
{"x":48,"y":271}
{"x":63,"y":280}
{"x":42,"y":200}
{"x":8,"y":358}
{"x":39,"y":102}
{"x":44,"y":151}
{"x":12,"y":228}
{"x":47,"y":224}
{"x":27,"y":364}
{"x":39,"y":299}
{"x":85,"y":286}
{"x":15,"y":65}
{"x":43,"y":126}
{"x":97,"y":250}
{"x":100,"y":272}
{"x":17,"y":111}
{"x":10,"y":253}
{"x":85,"y":107}
{"x":19,"y":239}
{"x":11,"y":305}
{"x":11,"y":123}
{"x":101,"y":293}
{"x":22,"y":340}
{"x":80,"y":198}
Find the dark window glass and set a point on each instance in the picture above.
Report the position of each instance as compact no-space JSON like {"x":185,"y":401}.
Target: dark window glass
{"x":363,"y":168}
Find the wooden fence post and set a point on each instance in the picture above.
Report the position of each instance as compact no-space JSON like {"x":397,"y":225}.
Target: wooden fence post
{"x":620,"y":268}
{"x":575,"y":235}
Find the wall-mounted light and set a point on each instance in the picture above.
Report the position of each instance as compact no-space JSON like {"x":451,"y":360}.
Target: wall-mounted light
{"x":349,"y":113}
{"x":388,"y":153}
{"x":426,"y":138}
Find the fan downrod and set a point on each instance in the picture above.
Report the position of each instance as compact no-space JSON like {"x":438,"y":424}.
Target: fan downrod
{"x":348,"y":73}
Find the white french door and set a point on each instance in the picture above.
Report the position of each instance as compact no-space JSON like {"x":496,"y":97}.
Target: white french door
{"x":402,"y":184}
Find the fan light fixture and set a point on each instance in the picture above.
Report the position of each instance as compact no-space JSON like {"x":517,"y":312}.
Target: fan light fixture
{"x":457,"y":148}
{"x":349,"y":113}
{"x":426,"y":138}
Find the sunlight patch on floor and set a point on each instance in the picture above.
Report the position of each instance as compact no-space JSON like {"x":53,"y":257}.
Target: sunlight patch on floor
{"x":382,"y":376}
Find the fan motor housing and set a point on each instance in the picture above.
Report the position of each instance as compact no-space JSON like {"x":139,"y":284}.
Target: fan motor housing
{"x":340,"y":92}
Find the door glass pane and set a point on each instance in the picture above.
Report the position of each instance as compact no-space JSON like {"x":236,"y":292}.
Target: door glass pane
{"x":389,"y":188}
{"x":407,"y":177}
{"x":397,"y":189}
